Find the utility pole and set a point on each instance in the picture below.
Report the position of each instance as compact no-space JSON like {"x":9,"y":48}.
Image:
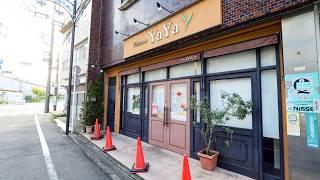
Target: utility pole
{"x":47,"y":103}
{"x":56,"y":86}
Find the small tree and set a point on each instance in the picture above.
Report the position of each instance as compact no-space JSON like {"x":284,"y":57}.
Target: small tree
{"x":233,"y":105}
{"x":92,"y":107}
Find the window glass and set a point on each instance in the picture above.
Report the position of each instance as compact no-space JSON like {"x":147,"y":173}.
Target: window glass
{"x":196,"y":93}
{"x":133,"y":100}
{"x":268,"y":56}
{"x":301,"y":64}
{"x":146,"y":100}
{"x":133,"y":78}
{"x":156,"y":74}
{"x":231,"y":62}
{"x":241,"y":86}
{"x":188,"y":69}
{"x":178,"y":101}
{"x":269,"y":93}
{"x":157,"y":106}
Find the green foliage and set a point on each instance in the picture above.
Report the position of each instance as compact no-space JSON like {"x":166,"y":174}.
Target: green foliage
{"x":214,"y":119}
{"x":38,"y":91}
{"x":3,"y":102}
{"x":39,"y":94}
{"x":92,"y":107}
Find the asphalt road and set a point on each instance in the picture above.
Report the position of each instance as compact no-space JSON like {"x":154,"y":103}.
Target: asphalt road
{"x":25,"y":155}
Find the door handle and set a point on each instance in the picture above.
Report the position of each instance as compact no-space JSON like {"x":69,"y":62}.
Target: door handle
{"x":165,"y":115}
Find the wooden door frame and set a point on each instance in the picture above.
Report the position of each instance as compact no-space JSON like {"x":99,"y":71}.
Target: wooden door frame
{"x":124,"y":117}
{"x":167,"y":84}
{"x":187,"y":82}
{"x":151,"y":85}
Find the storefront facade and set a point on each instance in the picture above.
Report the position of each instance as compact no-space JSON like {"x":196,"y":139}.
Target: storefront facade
{"x":196,"y":53}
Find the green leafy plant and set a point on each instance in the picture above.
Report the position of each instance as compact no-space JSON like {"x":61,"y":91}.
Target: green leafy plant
{"x":214,"y":119}
{"x":92,"y":107}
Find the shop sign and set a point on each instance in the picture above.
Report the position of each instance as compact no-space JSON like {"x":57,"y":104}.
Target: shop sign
{"x":202,"y":15}
{"x":302,"y":92}
{"x":293,"y":124}
{"x":312,"y":130}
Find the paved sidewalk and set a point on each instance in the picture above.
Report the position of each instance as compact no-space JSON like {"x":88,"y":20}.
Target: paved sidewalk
{"x":164,"y":164}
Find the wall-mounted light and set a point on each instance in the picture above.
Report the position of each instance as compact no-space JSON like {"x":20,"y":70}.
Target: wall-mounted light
{"x":160,"y":7}
{"x":139,"y":22}
{"x":117,"y":32}
{"x":97,"y":66}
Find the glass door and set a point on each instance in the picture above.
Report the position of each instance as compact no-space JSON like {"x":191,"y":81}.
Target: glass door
{"x":169,"y":125}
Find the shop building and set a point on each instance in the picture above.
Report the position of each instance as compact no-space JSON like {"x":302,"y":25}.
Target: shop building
{"x":266,"y":51}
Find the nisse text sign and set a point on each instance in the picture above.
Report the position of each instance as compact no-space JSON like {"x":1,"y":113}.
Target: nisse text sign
{"x":202,"y":15}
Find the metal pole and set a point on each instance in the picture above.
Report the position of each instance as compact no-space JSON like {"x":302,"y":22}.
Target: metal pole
{"x":73,"y":98}
{"x":47,"y":103}
{"x":71,"y":63}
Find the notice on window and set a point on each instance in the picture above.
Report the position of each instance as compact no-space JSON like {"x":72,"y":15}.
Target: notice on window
{"x":154,"y":110}
{"x":302,"y":92}
{"x":312,"y":130}
{"x":293,"y":124}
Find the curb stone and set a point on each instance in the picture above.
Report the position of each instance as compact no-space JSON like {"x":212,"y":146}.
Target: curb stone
{"x":109,"y":165}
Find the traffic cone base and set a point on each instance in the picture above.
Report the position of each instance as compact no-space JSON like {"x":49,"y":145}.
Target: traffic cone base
{"x":108,"y":146}
{"x":133,"y":170}
{"x":97,"y":138}
{"x":109,"y":149}
{"x":96,"y":134}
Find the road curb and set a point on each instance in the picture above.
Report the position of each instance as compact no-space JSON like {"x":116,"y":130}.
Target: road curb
{"x":109,"y":165}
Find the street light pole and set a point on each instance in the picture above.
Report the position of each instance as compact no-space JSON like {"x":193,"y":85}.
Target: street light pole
{"x":73,"y":19}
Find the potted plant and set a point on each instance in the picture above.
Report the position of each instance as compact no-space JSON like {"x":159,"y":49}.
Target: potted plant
{"x":86,"y":117}
{"x":214,"y":119}
{"x":92,"y":107}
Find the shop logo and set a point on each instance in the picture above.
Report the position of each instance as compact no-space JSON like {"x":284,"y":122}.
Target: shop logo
{"x":186,"y":20}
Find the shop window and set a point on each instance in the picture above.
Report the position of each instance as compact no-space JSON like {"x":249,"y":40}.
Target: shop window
{"x":146,"y":100}
{"x":269,"y":93}
{"x":156,"y":74}
{"x":133,"y":78}
{"x":268,"y":56}
{"x":183,"y":70}
{"x":301,"y":68}
{"x":241,"y":86}
{"x":133,"y":100}
{"x":270,"y":122}
{"x":231,"y":62}
{"x":196,"y":94}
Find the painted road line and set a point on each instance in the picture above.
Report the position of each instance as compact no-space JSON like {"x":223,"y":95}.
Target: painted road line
{"x":46,"y":153}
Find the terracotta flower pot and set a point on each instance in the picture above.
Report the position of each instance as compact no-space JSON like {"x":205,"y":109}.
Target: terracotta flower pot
{"x":208,"y":162}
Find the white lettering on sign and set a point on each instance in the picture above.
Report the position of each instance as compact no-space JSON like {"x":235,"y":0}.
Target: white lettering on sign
{"x":167,"y":30}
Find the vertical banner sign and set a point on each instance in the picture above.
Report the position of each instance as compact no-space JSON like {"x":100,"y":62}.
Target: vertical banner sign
{"x":302,"y":92}
{"x":312,"y":130}
{"x":293,"y":124}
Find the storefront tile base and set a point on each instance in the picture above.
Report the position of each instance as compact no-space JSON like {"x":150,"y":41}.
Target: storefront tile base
{"x":164,"y":164}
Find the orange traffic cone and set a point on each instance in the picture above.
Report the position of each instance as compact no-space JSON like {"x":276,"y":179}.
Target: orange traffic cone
{"x":96,"y":134}
{"x":185,"y":169}
{"x":139,"y":165}
{"x":108,"y":146}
